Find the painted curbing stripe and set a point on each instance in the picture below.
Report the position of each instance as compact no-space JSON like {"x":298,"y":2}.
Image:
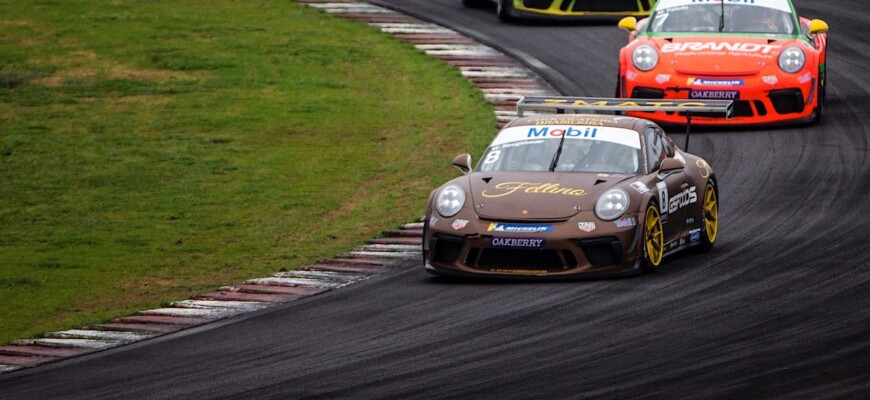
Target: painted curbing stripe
{"x":213,"y":304}
{"x":9,"y":368}
{"x":162,"y":320}
{"x":23,"y":350}
{"x":406,"y":241}
{"x":25,"y":361}
{"x":390,"y":247}
{"x":74,"y":343}
{"x":214,"y":313}
{"x":242,"y":296}
{"x":297,"y":282}
{"x":152,"y":329}
{"x":98,"y":335}
{"x":345,"y":268}
{"x":394,"y":255}
{"x":300,"y":291}
{"x":350,"y":8}
{"x":322,"y":275}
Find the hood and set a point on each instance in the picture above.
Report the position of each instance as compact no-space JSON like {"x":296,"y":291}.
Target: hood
{"x":536,"y":196}
{"x":712,"y":55}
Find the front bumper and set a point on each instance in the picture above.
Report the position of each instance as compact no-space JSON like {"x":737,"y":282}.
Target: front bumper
{"x":566,"y":251}
{"x":790,"y":99}
{"x":572,"y":8}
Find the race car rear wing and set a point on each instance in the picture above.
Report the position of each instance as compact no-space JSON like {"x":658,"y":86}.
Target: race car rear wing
{"x":724,"y":108}
{"x":719,"y":108}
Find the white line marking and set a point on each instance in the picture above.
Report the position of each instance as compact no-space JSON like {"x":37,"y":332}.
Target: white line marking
{"x":99,"y":335}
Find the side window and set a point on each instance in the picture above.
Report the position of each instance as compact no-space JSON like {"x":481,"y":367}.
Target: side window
{"x":667,"y":143}
{"x":655,"y":151}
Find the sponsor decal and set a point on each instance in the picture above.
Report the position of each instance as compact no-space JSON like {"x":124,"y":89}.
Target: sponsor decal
{"x":685,"y":197}
{"x":586,"y":226}
{"x":690,"y":221}
{"x":640,"y":187}
{"x":459,"y":224}
{"x":545,"y":131}
{"x":715,"y":82}
{"x":720,"y":47}
{"x":627,"y":222}
{"x":770,"y":79}
{"x":519,"y":228}
{"x":509,"y":188}
{"x":662,"y":78}
{"x":631,"y":75}
{"x":663,"y":200}
{"x":682,"y":241}
{"x":519,"y":271}
{"x":714,"y":94}
{"x":433,"y":221}
{"x":695,"y":235}
{"x":805,"y":77}
{"x":705,"y":168}
{"x":572,"y":121}
{"x":518,"y":243}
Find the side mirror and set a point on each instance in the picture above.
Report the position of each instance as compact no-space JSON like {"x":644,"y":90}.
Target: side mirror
{"x":817,"y":26}
{"x":628,"y":23}
{"x":671,"y":165}
{"x":462,"y":162}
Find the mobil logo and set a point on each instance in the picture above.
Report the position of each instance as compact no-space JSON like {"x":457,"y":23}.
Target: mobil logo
{"x":546,"y":131}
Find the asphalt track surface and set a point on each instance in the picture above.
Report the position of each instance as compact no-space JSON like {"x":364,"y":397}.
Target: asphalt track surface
{"x":780,"y":309}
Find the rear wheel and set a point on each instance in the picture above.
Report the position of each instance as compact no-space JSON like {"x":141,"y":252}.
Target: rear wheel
{"x":505,"y":10}
{"x":710,"y":230}
{"x":653,"y":239}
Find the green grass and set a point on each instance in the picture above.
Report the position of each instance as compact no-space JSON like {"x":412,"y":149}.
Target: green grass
{"x":153,"y":150}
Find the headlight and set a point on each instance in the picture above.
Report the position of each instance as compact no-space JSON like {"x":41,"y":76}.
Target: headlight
{"x":792,"y":59}
{"x":450,"y":200}
{"x":645,"y":57}
{"x":612,"y":204}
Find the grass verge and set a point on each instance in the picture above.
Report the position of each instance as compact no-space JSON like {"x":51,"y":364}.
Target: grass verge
{"x":153,"y":150}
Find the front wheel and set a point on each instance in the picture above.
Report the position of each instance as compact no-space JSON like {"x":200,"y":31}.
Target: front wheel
{"x":505,"y":10}
{"x":710,"y":230}
{"x":653,"y":239}
{"x":820,"y":99}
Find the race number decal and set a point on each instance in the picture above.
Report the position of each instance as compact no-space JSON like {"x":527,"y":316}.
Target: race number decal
{"x":663,"y":200}
{"x":492,"y":157}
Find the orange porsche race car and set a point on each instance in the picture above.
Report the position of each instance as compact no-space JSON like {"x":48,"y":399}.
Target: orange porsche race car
{"x":758,"y":53}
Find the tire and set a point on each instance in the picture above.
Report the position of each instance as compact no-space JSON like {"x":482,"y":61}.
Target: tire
{"x":710,"y":217}
{"x":820,"y":98}
{"x":618,"y":94}
{"x":505,"y":10}
{"x":653,"y":240}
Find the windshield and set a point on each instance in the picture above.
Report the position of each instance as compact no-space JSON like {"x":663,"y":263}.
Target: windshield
{"x":578,"y":155}
{"x":738,"y":18}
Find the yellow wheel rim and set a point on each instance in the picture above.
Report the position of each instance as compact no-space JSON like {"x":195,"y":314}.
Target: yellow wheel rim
{"x":711,"y":213}
{"x":655,"y":237}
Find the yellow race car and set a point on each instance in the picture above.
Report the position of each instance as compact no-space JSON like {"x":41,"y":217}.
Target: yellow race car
{"x":512,"y":9}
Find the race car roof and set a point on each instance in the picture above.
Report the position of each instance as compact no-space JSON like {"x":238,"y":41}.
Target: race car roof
{"x":782,"y":5}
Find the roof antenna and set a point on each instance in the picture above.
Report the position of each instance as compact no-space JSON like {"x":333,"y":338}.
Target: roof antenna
{"x":722,"y":16}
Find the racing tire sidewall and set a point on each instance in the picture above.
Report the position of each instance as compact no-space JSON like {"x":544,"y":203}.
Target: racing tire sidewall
{"x":646,"y":264}
{"x":505,"y":10}
{"x":706,"y":243}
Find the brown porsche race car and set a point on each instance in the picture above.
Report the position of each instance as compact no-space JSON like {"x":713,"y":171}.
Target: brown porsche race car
{"x":564,"y":195}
